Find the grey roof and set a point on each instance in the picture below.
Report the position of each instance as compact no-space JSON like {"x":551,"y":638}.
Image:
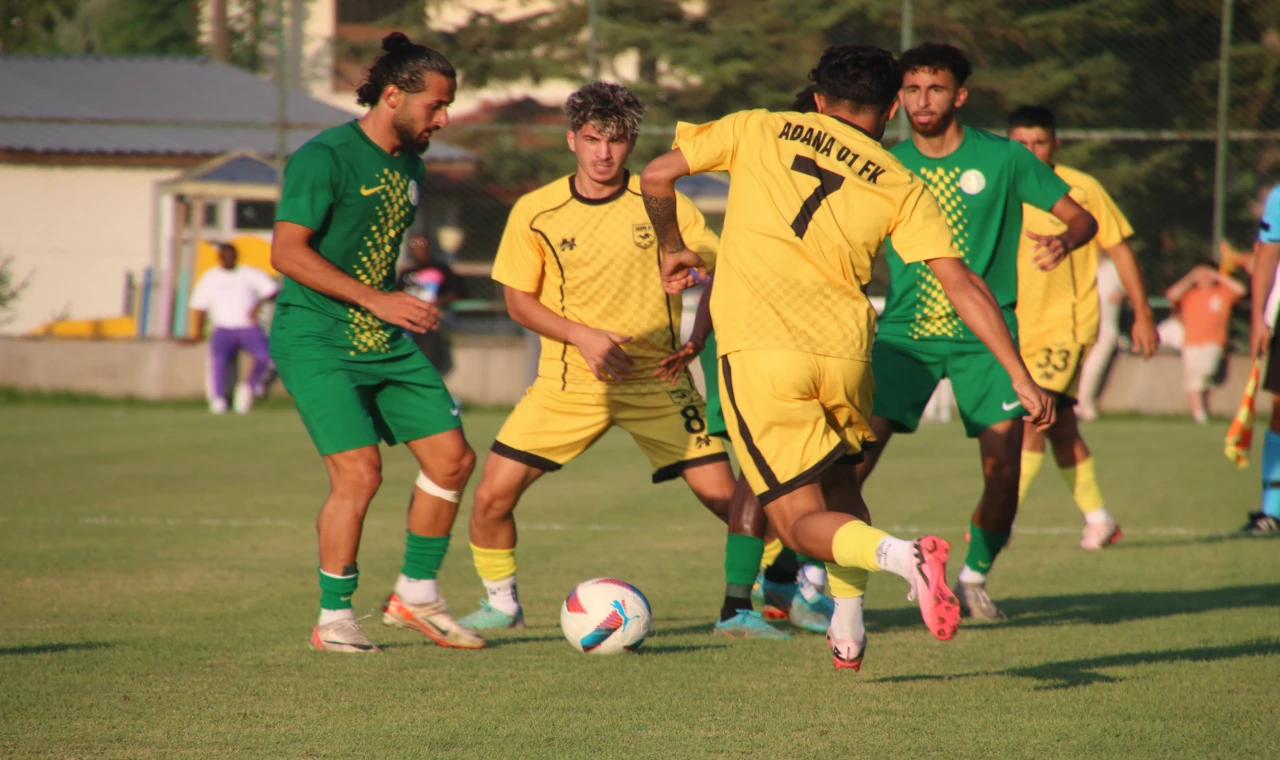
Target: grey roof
{"x":153,"y":105}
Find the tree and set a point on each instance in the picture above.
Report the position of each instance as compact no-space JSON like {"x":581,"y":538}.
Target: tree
{"x":106,"y":27}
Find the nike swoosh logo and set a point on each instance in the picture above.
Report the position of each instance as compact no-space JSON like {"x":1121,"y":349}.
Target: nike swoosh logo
{"x":1010,"y":406}
{"x":370,"y":190}
{"x":454,"y":412}
{"x":348,"y":644}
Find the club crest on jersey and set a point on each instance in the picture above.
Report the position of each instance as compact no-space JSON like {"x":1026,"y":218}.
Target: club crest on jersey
{"x":642,"y":235}
{"x":413,"y":192}
{"x":972,"y":182}
{"x":682,"y":397}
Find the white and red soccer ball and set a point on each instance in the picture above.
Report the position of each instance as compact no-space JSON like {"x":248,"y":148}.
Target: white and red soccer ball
{"x":605,"y":616}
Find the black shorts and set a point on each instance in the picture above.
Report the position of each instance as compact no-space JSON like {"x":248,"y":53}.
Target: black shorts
{"x":1271,"y":381}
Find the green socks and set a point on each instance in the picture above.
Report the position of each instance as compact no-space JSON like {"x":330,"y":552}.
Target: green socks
{"x":983,"y":548}
{"x":741,"y":562}
{"x":423,"y":556}
{"x":336,"y":590}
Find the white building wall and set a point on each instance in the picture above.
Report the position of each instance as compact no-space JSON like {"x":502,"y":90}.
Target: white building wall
{"x":77,"y":231}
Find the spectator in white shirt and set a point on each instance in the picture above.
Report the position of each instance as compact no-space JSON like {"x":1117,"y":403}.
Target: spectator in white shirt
{"x":230,"y":297}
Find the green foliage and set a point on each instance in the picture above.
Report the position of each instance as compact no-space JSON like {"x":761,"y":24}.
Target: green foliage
{"x":108,"y":27}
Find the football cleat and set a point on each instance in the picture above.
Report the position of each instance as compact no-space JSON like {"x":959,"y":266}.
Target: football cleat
{"x":847,"y":653}
{"x":975,"y":603}
{"x":777,"y":598}
{"x":813,"y":615}
{"x":1097,"y":536}
{"x":1260,"y":524}
{"x":489,"y":618}
{"x":748,"y":624}
{"x":938,"y":606}
{"x":344,"y":635}
{"x":431,"y":620}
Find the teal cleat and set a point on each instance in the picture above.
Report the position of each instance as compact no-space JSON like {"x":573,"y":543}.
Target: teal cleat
{"x":489,"y":618}
{"x":814,"y":616}
{"x":777,"y":599}
{"x":748,"y":624}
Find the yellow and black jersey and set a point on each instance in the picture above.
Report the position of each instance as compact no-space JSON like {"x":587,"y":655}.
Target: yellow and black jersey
{"x":1061,"y":305}
{"x":811,"y":200}
{"x":596,"y":262}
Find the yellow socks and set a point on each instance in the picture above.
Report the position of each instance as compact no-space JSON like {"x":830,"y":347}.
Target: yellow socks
{"x":494,"y":564}
{"x":847,"y":582}
{"x":1083,"y":482}
{"x":771,"y":552}
{"x":1031,"y":463}
{"x":854,"y":545}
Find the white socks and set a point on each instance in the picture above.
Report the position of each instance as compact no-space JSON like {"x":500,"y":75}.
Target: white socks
{"x":846,"y":621}
{"x":503,"y":595}
{"x":812,"y":578}
{"x":897,"y":556}
{"x":1098,"y":516}
{"x":968,"y":575}
{"x":333,"y":616}
{"x":413,"y":591}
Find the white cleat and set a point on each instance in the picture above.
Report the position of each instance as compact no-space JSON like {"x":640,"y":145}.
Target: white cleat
{"x":344,"y":635}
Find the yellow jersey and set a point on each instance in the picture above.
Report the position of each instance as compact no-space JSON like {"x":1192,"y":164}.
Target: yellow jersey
{"x":811,"y":200}
{"x":1061,"y":305}
{"x":596,"y":262}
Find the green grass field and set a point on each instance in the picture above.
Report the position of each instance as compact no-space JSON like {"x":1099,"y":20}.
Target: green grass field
{"x":157,"y":587}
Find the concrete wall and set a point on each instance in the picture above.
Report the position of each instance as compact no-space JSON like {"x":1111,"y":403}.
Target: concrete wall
{"x":487,"y":371}
{"x":76,"y":230}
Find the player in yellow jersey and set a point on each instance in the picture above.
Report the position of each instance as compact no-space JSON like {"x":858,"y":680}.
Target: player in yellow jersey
{"x":1058,"y":315}
{"x":812,"y":199}
{"x":579,"y":264}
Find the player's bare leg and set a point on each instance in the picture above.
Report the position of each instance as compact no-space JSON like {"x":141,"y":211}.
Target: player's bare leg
{"x":872,"y":451}
{"x":1000,"y":447}
{"x":1076,"y":465}
{"x":354,"y":478}
{"x":446,"y":462}
{"x":829,"y":530}
{"x":493,"y":540}
{"x":714,"y":485}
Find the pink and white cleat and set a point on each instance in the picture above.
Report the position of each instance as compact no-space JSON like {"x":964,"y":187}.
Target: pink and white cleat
{"x":1097,"y":536}
{"x":938,"y":605}
{"x":847,"y":653}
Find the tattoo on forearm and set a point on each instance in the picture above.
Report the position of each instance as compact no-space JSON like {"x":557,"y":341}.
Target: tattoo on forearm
{"x":662,"y":212}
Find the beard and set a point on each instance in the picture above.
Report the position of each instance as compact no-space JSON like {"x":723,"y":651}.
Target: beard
{"x":939,"y":124}
{"x":411,"y":138}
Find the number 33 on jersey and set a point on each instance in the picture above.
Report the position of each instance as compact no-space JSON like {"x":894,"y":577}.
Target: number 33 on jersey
{"x":822,"y":195}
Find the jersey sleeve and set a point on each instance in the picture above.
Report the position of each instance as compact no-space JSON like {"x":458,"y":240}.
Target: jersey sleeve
{"x":919,"y":231}
{"x":521,"y":256}
{"x":311,"y":185}
{"x":1113,"y":227}
{"x":1269,"y":226}
{"x":1034,"y":181}
{"x":693,"y":228}
{"x":200,"y":297}
{"x":263,"y":285}
{"x":711,"y":147}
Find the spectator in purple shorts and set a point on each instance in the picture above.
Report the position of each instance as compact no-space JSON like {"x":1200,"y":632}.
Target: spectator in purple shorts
{"x":231,"y":296}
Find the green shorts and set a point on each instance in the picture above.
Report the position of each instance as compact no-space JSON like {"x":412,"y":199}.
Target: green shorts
{"x":711,"y":373}
{"x":907,"y":372}
{"x":351,"y":404}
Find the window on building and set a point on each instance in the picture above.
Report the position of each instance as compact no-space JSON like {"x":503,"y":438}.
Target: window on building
{"x":255,"y":215}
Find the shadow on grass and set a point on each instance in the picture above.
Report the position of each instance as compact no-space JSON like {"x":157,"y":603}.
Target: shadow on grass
{"x":1113,"y":607}
{"x":1085,"y":672}
{"x":495,"y":642}
{"x":663,"y":649}
{"x":79,"y":646}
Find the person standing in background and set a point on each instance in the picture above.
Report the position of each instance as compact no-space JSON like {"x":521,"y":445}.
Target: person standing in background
{"x":1110,"y":299}
{"x":1204,"y":296}
{"x":434,"y":282}
{"x":230,"y":297}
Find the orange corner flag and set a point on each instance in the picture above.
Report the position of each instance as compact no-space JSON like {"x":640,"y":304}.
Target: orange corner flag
{"x":1240,"y":434}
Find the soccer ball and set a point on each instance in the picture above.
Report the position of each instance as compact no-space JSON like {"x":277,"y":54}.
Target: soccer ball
{"x":605,"y":616}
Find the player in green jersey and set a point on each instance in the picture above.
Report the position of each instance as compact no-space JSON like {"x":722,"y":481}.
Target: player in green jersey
{"x":980,"y":181}
{"x":339,"y":342}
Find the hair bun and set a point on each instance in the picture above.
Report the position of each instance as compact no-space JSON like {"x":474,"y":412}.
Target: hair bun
{"x":395,"y":41}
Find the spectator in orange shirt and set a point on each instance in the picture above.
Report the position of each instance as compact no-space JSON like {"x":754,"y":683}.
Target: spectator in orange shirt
{"x":1204,"y":296}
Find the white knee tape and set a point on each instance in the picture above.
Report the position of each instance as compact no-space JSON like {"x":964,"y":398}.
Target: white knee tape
{"x":430,"y":487}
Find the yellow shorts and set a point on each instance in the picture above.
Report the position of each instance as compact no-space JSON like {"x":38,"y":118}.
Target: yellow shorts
{"x":1055,"y":365}
{"x":549,"y":427}
{"x":792,"y":414}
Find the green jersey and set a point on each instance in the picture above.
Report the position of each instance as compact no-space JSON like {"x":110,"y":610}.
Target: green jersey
{"x":980,"y":187}
{"x":359,"y":200}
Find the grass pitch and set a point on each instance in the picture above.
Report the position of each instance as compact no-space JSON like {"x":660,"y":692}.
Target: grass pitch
{"x":157,"y":586}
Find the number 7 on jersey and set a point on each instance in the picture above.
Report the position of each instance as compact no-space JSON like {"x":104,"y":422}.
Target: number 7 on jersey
{"x":828,"y":183}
